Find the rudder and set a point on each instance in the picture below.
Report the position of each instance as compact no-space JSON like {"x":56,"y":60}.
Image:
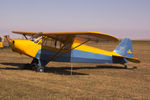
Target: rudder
{"x":125,"y":48}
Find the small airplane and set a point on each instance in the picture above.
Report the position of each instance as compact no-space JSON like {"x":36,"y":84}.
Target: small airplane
{"x":44,"y":47}
{"x":1,"y":42}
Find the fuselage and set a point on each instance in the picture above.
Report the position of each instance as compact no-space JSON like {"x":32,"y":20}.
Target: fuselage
{"x":82,"y":53}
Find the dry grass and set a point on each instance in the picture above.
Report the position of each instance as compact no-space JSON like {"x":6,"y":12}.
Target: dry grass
{"x":88,"y":82}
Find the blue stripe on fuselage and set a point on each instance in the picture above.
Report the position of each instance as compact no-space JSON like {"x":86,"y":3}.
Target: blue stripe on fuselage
{"x":44,"y":55}
{"x":88,"y":57}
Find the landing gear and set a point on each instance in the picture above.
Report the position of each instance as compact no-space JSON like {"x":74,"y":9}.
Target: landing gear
{"x":40,"y":69}
{"x":36,"y":66}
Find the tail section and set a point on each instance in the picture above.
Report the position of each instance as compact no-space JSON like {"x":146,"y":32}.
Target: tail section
{"x":125,"y":51}
{"x":125,"y":48}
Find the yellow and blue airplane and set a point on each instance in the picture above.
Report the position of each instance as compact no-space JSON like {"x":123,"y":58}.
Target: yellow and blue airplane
{"x":70,"y":47}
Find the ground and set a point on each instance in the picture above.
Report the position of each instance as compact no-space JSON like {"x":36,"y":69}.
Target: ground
{"x":87,"y":82}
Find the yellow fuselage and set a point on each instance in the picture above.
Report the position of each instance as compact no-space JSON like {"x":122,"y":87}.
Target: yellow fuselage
{"x":31,"y":48}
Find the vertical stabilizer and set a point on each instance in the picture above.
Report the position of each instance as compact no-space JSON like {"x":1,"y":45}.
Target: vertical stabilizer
{"x":125,"y":48}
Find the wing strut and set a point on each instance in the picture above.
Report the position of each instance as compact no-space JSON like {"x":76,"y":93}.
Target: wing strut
{"x":25,"y":36}
{"x":80,"y":44}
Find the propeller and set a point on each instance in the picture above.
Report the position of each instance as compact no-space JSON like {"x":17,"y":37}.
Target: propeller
{"x":10,"y":42}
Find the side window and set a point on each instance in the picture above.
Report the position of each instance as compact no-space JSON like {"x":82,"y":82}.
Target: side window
{"x":48,"y":42}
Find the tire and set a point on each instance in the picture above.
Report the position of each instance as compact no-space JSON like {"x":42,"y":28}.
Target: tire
{"x":40,"y":69}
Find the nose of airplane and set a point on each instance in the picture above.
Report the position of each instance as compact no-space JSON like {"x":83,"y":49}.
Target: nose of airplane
{"x":13,"y":44}
{"x":17,"y":46}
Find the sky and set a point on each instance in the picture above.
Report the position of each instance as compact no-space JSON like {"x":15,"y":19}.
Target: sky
{"x":120,"y":18}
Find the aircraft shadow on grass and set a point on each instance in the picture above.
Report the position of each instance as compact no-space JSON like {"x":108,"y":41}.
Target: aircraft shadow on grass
{"x":60,"y":70}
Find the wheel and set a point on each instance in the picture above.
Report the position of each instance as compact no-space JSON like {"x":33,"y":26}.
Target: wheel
{"x":40,"y":69}
{"x":36,"y":65}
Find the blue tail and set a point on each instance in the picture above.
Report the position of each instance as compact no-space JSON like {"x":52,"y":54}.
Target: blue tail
{"x":125,"y":48}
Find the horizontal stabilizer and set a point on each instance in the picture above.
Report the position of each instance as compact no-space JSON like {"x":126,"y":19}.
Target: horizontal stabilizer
{"x":135,"y":60}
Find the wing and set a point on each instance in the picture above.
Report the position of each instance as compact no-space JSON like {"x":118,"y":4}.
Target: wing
{"x":62,"y":36}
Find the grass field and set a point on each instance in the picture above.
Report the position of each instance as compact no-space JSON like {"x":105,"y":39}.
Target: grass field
{"x":87,"y":82}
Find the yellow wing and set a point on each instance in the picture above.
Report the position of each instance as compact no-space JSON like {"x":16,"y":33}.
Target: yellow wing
{"x":62,"y":36}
